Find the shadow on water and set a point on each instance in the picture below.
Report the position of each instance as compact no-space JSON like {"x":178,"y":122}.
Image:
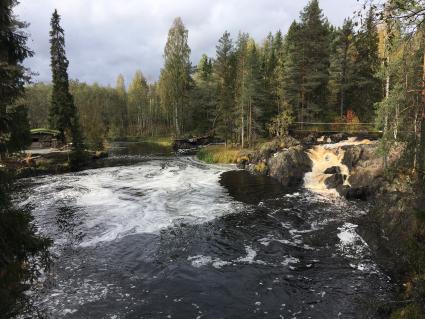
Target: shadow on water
{"x":251,"y":189}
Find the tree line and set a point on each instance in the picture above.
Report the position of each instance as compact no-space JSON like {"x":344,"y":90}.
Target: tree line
{"x":311,"y":74}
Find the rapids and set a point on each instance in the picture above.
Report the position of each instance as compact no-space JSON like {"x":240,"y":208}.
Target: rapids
{"x":326,"y":156}
{"x":170,"y":237}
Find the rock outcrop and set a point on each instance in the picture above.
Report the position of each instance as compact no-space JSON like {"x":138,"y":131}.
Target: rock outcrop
{"x":284,"y":160}
{"x":289,"y":166}
{"x":367,"y":170}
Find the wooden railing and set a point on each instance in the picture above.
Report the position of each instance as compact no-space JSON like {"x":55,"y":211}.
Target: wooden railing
{"x":319,"y":127}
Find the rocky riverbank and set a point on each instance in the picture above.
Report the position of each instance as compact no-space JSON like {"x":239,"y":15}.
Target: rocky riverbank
{"x":395,"y":224}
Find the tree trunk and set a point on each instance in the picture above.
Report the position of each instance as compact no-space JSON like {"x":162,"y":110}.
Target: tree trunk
{"x":421,"y":153}
{"x":176,"y":120}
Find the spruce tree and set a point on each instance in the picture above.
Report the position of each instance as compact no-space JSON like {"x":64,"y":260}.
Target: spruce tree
{"x":19,"y":246}
{"x":305,"y":72}
{"x":225,"y":70}
{"x":63,"y":114}
{"x":342,"y":69}
{"x":203,"y":98}
{"x":290,"y":71}
{"x":14,"y":127}
{"x":367,"y":64}
{"x":315,"y":62}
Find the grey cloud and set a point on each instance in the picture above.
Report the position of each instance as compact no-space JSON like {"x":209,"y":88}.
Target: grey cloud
{"x":108,"y":37}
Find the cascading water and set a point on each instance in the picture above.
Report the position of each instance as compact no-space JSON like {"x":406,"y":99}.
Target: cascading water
{"x":324,"y":157}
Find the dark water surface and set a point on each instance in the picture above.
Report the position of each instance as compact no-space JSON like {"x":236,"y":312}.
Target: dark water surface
{"x":171,"y":237}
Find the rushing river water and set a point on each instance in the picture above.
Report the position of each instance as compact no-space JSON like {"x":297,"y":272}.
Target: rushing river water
{"x":170,"y":237}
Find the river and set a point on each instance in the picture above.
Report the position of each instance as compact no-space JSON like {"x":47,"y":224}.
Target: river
{"x":169,"y":237}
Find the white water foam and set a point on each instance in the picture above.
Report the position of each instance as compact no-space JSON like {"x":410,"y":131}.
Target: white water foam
{"x":144,"y":198}
{"x":324,"y":157}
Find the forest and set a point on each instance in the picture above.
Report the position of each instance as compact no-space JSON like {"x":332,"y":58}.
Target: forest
{"x":367,"y":73}
{"x":311,"y":74}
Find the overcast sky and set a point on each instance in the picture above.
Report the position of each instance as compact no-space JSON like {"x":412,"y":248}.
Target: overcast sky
{"x":108,"y":37}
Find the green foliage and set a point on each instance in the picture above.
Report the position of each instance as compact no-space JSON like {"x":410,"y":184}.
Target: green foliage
{"x":225,"y":71}
{"x":367,"y":63}
{"x":175,"y":76}
{"x":138,"y":104}
{"x":342,"y":87}
{"x":21,"y":251}
{"x":248,"y":90}
{"x":13,"y":77}
{"x":63,"y":114}
{"x":203,"y":98}
{"x":37,"y":98}
{"x":279,"y":124}
{"x":306,"y":64}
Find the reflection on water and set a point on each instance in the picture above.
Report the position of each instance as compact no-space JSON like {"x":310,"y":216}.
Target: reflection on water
{"x":139,"y":148}
{"x":174,"y":238}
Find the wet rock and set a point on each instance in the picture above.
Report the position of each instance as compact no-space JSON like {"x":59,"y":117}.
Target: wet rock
{"x":289,"y":166}
{"x":311,"y":139}
{"x":334,"y":181}
{"x":339,"y":137}
{"x":333,"y":170}
{"x":268,"y":149}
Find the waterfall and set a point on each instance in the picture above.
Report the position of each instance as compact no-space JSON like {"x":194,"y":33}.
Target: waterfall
{"x":324,"y":157}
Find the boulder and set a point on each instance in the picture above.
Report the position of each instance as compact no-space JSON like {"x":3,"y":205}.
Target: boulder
{"x":289,"y":166}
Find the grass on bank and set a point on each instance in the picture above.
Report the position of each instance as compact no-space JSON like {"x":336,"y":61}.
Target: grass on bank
{"x":219,"y":154}
{"x":159,"y":140}
{"x":162,"y":140}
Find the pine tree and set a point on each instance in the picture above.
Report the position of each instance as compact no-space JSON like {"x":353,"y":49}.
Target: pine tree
{"x":175,"y":76}
{"x":249,"y":91}
{"x":242,"y":83}
{"x":14,"y":127}
{"x":63,"y":114}
{"x":225,"y":71}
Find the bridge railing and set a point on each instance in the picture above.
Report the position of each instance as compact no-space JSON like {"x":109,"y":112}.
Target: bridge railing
{"x":319,"y":127}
